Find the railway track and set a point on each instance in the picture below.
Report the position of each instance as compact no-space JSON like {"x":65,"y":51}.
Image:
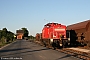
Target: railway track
{"x":75,"y":53}
{"x":71,"y":52}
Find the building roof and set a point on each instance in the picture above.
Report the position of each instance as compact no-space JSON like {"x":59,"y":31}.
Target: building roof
{"x":19,"y":31}
{"x":78,"y":25}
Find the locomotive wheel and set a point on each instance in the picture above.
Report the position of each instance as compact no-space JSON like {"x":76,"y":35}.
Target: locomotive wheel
{"x":54,"y":45}
{"x":44,"y":44}
{"x":54,"y":48}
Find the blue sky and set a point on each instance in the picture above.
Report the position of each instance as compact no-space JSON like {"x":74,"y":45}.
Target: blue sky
{"x":34,"y":14}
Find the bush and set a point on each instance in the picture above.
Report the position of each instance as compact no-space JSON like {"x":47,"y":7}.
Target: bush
{"x":6,"y":36}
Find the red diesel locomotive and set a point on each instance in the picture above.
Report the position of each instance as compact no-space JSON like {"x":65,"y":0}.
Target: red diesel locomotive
{"x":53,"y":34}
{"x":53,"y":31}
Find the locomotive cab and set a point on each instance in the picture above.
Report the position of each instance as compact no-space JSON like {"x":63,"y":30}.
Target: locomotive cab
{"x":53,"y":33}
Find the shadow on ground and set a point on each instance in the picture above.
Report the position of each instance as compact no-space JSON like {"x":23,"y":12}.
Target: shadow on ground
{"x":18,"y":52}
{"x":10,"y":50}
{"x":66,"y":56}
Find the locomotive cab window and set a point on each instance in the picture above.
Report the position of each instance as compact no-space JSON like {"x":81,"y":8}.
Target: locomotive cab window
{"x":48,"y":26}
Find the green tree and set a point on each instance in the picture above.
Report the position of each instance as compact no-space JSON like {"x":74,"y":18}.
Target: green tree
{"x":3,"y":39}
{"x":10,"y":36}
{"x":4,"y":32}
{"x":0,"y":34}
{"x":26,"y":32}
{"x":5,"y":35}
{"x":31,"y":37}
{"x":5,"y":29}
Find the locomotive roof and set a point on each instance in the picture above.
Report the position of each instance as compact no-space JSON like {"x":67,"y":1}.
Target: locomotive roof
{"x":50,"y":23}
{"x":78,"y":25}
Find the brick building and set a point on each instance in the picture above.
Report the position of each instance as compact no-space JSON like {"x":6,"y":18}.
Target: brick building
{"x":19,"y":34}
